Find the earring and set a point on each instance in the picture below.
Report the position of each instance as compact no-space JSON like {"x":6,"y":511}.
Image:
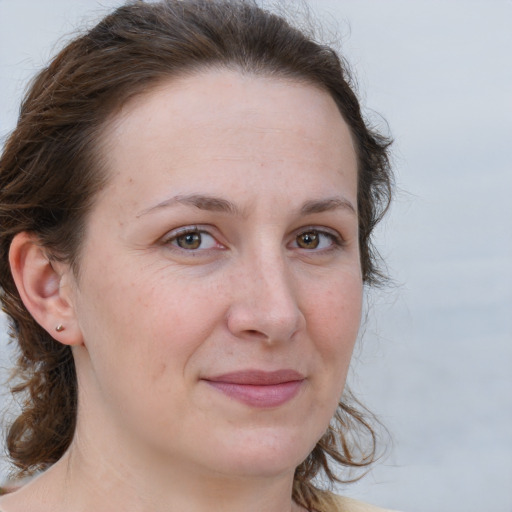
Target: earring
{"x":59,"y":328}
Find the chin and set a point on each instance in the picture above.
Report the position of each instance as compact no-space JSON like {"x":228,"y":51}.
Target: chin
{"x":264,"y":452}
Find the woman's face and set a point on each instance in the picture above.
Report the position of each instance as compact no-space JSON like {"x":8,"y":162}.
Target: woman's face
{"x":220,"y":288}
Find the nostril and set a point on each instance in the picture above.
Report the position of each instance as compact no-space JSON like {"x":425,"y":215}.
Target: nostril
{"x":254,"y":333}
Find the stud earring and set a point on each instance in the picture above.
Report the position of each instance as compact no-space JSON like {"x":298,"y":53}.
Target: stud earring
{"x":59,"y":328}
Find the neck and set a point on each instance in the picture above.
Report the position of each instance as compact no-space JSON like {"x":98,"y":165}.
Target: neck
{"x":95,"y":481}
{"x":181,"y":487}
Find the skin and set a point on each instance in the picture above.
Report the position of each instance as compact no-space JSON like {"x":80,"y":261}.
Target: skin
{"x":150,"y":322}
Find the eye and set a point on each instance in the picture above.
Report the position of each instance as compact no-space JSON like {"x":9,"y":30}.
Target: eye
{"x":192,"y":240}
{"x":314,"y":239}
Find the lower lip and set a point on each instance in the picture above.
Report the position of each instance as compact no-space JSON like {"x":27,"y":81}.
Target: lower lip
{"x":267,"y":396}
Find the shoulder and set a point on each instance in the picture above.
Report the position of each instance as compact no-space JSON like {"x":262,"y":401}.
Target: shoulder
{"x":350,"y":505}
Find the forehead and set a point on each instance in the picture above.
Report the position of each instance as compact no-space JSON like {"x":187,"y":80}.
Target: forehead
{"x":226,"y":99}
{"x":207,"y":124}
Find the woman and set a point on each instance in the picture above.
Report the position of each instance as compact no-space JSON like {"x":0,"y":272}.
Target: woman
{"x":186,"y":208}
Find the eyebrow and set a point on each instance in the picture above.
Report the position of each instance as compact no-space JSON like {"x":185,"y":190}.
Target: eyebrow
{"x":218,"y":204}
{"x":325,"y":205}
{"x":208,"y":203}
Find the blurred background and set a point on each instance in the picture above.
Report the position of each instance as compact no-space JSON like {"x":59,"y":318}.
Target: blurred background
{"x":435,"y":357}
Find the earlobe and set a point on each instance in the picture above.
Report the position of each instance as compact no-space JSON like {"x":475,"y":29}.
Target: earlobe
{"x":44,"y":288}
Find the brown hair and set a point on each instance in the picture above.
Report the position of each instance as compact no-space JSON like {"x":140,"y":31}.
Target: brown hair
{"x":51,"y":170}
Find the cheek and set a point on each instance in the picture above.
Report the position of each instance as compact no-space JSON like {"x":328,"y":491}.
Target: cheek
{"x":149,"y":332}
{"x":333,"y":320}
{"x":163,"y":325}
{"x":336,"y":309}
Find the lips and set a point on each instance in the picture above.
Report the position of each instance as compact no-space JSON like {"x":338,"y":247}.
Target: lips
{"x":258,"y":388}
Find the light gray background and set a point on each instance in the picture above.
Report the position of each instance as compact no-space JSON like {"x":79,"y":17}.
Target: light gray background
{"x":436,"y":359}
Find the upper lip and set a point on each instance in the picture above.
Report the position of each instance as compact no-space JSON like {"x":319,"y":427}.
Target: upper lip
{"x":258,"y":377}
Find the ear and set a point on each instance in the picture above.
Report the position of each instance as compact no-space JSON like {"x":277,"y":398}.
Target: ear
{"x":46,"y":288}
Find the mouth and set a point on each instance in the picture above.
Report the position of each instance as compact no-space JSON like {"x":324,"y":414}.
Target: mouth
{"x":258,"y":388}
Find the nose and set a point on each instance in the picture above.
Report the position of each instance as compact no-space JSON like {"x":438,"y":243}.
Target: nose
{"x":265,"y":304}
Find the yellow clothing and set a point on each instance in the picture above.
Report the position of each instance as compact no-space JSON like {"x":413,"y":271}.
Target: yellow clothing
{"x":351,"y":505}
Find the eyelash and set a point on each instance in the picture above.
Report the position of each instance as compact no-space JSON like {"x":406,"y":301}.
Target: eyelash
{"x":336,"y":241}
